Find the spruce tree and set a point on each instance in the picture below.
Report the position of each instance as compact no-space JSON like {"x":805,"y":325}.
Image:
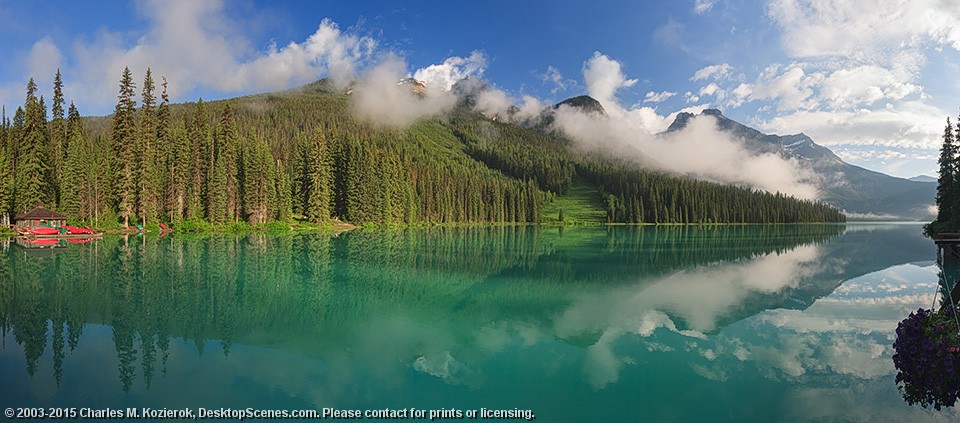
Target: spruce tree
{"x":125,"y":149}
{"x":945,"y":184}
{"x":316,"y":183}
{"x":259,"y":182}
{"x":148,"y":169}
{"x":199,"y":156}
{"x":58,"y":139}
{"x":31,"y":182}
{"x":72,"y":175}
{"x":229,"y":144}
{"x":217,"y":197}
{"x":6,"y":171}
{"x":166,"y":159}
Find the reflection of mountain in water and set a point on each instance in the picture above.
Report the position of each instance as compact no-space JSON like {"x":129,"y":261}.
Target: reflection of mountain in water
{"x":419,"y":293}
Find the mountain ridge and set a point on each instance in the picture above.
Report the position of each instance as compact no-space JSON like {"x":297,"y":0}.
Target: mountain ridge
{"x":861,"y":192}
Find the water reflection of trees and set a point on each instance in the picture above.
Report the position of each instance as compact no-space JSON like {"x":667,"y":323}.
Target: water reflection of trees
{"x":306,"y":291}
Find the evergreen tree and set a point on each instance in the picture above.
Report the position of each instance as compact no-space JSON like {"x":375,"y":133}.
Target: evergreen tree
{"x":6,"y":170}
{"x":259,"y":183}
{"x":167,"y":160}
{"x":200,"y":163}
{"x":217,"y":209}
{"x":228,"y":140}
{"x":58,"y":139}
{"x":315,"y":190}
{"x":124,"y":137}
{"x":148,"y":169}
{"x":282,"y":199}
{"x":945,"y":184}
{"x":31,"y":178}
{"x":72,"y":181}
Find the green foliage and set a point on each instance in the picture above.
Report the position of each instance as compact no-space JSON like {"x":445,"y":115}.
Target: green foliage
{"x":194,"y":225}
{"x":31,"y":183}
{"x":125,"y":148}
{"x":947,"y":200}
{"x":268,"y":157}
{"x":58,"y":142}
{"x":624,"y":192}
{"x":274,"y":226}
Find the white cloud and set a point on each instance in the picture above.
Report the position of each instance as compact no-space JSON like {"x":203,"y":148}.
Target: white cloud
{"x":657,"y":97}
{"x":864,"y":30}
{"x":380,"y":99}
{"x":789,"y":86}
{"x":553,"y":76}
{"x":703,"y":6}
{"x":453,"y":69}
{"x":603,"y":78}
{"x":671,"y":34}
{"x":43,"y":60}
{"x":908,"y":124}
{"x":716,"y":71}
{"x":193,"y":44}
{"x":529,"y":109}
{"x":863,"y":85}
{"x":700,"y":150}
{"x":712,"y":89}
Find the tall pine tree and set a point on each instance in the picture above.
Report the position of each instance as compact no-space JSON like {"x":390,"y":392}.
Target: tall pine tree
{"x":148,"y":172}
{"x":124,"y":137}
{"x":31,"y":181}
{"x":58,"y":140}
{"x":72,"y":181}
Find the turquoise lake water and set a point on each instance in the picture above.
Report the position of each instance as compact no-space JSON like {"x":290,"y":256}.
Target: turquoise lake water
{"x":754,"y":323}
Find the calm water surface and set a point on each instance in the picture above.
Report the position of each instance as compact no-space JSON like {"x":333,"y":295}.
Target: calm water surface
{"x":751,"y":323}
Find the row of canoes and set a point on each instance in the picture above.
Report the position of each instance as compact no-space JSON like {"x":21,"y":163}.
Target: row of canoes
{"x":63,"y":232}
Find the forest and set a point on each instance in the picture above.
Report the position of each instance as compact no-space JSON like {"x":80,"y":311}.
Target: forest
{"x":948,"y":184}
{"x":301,"y":155}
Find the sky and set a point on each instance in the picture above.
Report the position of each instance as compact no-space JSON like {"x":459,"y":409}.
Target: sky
{"x":873,"y":80}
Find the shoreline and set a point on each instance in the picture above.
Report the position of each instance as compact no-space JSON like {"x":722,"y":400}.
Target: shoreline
{"x":339,"y":227}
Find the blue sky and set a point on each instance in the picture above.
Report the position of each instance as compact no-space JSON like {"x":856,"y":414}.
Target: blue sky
{"x":872,"y":80}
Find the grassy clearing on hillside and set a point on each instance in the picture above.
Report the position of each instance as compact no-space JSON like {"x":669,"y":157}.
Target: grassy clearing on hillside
{"x":580,"y":206}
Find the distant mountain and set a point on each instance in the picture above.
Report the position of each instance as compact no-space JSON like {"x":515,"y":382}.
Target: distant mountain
{"x":585,"y":103}
{"x":923,"y":178}
{"x":862,"y":193}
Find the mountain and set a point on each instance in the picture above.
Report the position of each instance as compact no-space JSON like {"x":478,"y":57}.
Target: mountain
{"x":862,"y":193}
{"x":923,"y":178}
{"x":585,"y":103}
{"x":308,"y":155}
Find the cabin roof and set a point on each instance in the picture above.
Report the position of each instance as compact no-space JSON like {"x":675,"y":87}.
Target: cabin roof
{"x":39,"y":213}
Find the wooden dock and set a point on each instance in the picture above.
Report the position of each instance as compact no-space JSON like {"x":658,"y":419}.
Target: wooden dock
{"x":949,"y":242}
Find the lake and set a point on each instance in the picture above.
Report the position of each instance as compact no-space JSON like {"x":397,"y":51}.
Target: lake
{"x":727,"y":323}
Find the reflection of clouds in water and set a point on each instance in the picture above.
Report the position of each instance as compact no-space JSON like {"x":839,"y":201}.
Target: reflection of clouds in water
{"x":602,"y":365}
{"x":714,"y":373}
{"x":445,"y":367}
{"x":852,"y":227}
{"x":867,"y":402}
{"x":699,"y":296}
{"x":849,"y":333}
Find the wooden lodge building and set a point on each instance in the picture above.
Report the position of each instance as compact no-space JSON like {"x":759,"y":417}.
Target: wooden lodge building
{"x":39,"y":217}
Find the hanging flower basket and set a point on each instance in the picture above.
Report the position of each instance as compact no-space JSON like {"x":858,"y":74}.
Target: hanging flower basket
{"x":927,"y":350}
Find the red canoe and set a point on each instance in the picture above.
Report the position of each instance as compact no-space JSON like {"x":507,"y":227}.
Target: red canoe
{"x":44,"y":242}
{"x":45,"y":231}
{"x":78,"y":231}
